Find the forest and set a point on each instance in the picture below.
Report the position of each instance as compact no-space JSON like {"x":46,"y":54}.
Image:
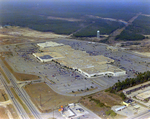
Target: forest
{"x":141,"y":25}
{"x":35,"y":16}
{"x":127,"y":35}
{"x":104,"y":26}
{"x":136,"y":30}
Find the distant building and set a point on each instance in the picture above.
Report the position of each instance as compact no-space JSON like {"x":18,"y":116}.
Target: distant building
{"x":136,"y":88}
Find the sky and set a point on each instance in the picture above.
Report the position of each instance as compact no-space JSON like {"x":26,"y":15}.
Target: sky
{"x":82,"y":0}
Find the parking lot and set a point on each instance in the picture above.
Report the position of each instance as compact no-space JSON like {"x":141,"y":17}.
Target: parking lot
{"x":65,"y":80}
{"x":130,"y":111}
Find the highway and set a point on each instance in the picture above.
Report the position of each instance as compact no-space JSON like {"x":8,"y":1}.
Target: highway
{"x":19,"y":92}
{"x":19,"y":108}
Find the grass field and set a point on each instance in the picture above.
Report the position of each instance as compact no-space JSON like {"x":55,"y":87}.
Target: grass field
{"x":104,"y":97}
{"x":46,"y":99}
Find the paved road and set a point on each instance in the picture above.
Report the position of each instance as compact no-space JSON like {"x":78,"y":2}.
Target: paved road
{"x":19,"y":92}
{"x":19,"y":108}
{"x":95,"y":116}
{"x":144,"y":115}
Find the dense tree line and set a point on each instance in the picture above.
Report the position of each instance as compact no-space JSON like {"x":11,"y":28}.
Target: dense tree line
{"x":127,"y":35}
{"x":141,"y":25}
{"x":136,"y":30}
{"x":40,"y":23}
{"x":105,"y":27}
{"x":129,"y":82}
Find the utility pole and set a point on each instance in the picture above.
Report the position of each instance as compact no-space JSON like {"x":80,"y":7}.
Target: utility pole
{"x":53,"y":109}
{"x":85,"y":85}
{"x":40,"y":100}
{"x":53,"y":112}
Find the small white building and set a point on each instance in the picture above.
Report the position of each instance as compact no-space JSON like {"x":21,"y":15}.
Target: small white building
{"x":120,"y":108}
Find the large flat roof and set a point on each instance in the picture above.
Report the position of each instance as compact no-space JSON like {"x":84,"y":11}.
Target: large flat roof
{"x":77,"y":59}
{"x":101,"y":68}
{"x":84,"y":61}
{"x":51,"y":54}
{"x":46,"y":57}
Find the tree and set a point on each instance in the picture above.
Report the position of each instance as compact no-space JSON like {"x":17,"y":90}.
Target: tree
{"x":113,"y":114}
{"x":122,"y":96}
{"x":108,"y":112}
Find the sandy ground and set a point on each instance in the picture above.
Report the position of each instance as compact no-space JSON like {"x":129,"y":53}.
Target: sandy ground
{"x":3,"y":113}
{"x":19,"y":31}
{"x":15,"y":34}
{"x":3,"y":36}
{"x":104,"y":97}
{"x":46,"y":99}
{"x":147,"y":54}
{"x":13,"y":111}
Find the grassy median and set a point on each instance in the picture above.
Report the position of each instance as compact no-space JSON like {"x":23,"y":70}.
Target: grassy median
{"x":22,"y":104}
{"x":2,"y":72}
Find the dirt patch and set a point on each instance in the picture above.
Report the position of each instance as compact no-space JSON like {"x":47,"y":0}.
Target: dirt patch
{"x":108,"y":99}
{"x":3,"y":113}
{"x":25,"y":77}
{"x":13,"y":111}
{"x":3,"y":96}
{"x":64,"y":19}
{"x":46,"y":99}
{"x":147,"y":54}
{"x":13,"y":34}
{"x":20,"y":76}
{"x":6,"y":53}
